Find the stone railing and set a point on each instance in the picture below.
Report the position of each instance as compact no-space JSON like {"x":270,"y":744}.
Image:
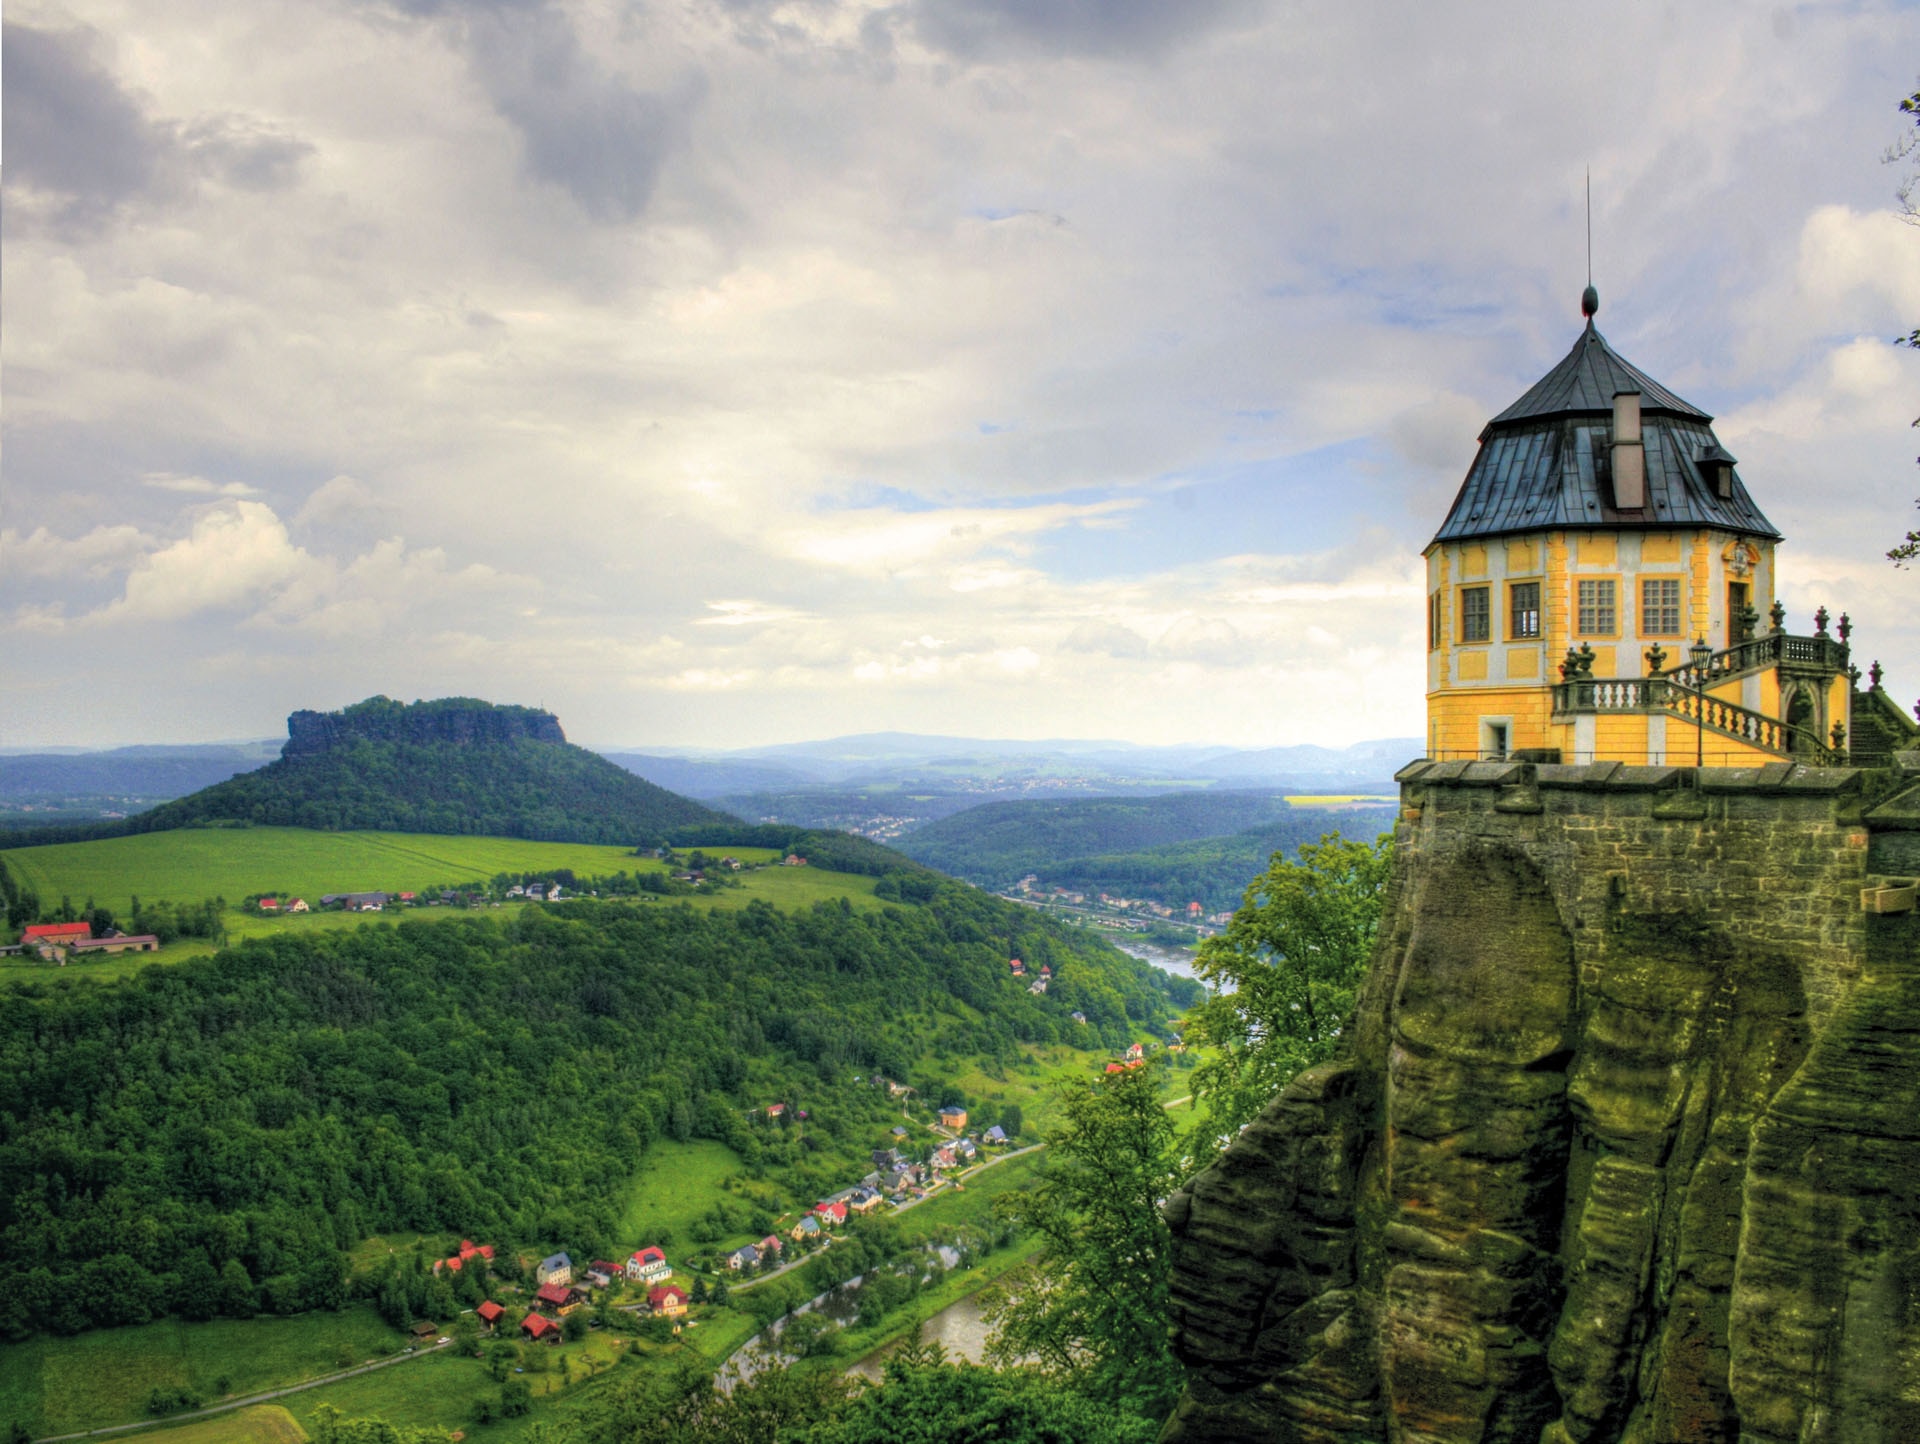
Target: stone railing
{"x":1821,"y":654}
{"x":1666,"y":694}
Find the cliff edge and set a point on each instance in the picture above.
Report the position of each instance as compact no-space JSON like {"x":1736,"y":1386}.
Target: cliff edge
{"x":1626,"y":1145}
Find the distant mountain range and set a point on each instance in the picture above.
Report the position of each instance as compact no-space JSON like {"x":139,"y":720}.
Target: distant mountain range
{"x":901,"y":759}
{"x":882,"y":784}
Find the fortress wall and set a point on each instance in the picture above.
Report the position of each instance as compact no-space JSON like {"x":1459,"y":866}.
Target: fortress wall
{"x":1627,"y":1143}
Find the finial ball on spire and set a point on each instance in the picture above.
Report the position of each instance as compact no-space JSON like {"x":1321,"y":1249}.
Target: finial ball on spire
{"x":1589,"y":301}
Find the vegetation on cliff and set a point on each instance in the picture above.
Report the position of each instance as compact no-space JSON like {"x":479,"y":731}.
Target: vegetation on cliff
{"x":1284,"y":976}
{"x":456,"y":766}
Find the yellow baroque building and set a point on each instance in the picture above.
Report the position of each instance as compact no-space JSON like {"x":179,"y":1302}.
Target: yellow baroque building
{"x":1603,"y":589}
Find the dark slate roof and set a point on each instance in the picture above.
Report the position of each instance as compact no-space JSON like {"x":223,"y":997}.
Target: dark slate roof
{"x":1545,"y":462}
{"x":1587,"y":379}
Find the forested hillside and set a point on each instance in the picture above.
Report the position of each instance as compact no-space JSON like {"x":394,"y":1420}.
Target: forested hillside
{"x":237,"y":1121}
{"x":456,"y":765}
{"x":1132,"y":846}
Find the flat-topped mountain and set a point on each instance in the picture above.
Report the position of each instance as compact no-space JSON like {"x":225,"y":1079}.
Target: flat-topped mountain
{"x":456,"y":765}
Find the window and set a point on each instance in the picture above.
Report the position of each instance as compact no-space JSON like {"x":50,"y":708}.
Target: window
{"x":1660,"y":606}
{"x":1433,"y":622}
{"x":1524,"y":610}
{"x":1596,"y":611}
{"x":1476,"y":614}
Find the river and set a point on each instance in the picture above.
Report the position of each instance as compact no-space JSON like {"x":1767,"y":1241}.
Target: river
{"x":959,"y":1328}
{"x":1178,"y":961}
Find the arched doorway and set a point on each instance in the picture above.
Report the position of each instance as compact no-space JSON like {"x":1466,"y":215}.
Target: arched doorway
{"x":1804,"y":719}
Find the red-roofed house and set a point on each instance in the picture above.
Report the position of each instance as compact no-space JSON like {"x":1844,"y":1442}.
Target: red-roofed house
{"x":649,"y":1265}
{"x":1116,"y":1067}
{"x":59,"y":934}
{"x":538,"y":1326}
{"x":269,"y":905}
{"x":558,"y":1297}
{"x":667,"y":1300}
{"x":489,"y":1313}
{"x":831,"y":1213}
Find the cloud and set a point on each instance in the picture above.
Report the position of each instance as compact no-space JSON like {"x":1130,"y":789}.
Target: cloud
{"x":745,"y":614}
{"x":232,"y":556}
{"x":98,"y":553}
{"x":1131,"y":29}
{"x":1107,"y":638}
{"x":69,"y":128}
{"x":586,"y":129}
{"x":342,"y":501}
{"x":245,"y":153}
{"x":197,"y":485}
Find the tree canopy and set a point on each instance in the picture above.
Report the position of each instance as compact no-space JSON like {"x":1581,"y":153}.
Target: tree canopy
{"x":1092,"y":1309}
{"x":1284,"y":974}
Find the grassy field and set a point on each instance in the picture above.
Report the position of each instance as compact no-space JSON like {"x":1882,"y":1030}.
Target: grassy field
{"x":261,"y":1424}
{"x":54,"y":1386}
{"x":196,"y":863}
{"x":676,"y":1183}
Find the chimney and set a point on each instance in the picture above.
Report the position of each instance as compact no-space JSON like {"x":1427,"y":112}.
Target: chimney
{"x":1629,"y":454}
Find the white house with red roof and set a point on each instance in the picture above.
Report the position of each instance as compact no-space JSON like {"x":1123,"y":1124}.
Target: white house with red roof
{"x":649,"y":1265}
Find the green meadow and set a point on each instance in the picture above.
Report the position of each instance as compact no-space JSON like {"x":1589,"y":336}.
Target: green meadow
{"x":259,"y":1424}
{"x":194,"y":863}
{"x":55,"y":1385}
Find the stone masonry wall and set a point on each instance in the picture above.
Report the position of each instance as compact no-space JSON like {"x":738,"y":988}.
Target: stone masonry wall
{"x":1626,"y":1146}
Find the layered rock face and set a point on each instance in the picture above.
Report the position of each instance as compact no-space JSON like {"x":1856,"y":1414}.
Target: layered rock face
{"x":1626,"y":1146}
{"x":459,"y":720}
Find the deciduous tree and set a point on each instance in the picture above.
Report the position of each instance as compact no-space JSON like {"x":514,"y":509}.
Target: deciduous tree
{"x":1092,"y":1307}
{"x":1284,"y":974}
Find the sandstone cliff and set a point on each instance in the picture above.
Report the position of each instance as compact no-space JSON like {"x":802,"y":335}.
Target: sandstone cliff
{"x":1626,"y":1146}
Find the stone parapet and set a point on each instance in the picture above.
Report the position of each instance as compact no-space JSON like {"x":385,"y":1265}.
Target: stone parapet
{"x":1626,"y":1145}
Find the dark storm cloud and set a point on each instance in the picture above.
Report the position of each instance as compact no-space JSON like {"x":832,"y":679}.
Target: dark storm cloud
{"x":70,"y":129}
{"x":1132,"y":29}
{"x":594,"y":134}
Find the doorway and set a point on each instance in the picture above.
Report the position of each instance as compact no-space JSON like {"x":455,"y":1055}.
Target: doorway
{"x":1739,"y":599}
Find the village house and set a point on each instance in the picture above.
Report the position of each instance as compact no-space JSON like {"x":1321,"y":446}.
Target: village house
{"x":771,"y":1247}
{"x":808,"y":1227}
{"x":425,"y":1330}
{"x":745,"y":1257}
{"x":952,"y":1115}
{"x":1037,"y":986}
{"x":559,"y":1298}
{"x":668,"y":1301}
{"x":774,"y":1110}
{"x":1135,"y":1051}
{"x":965,"y":1151}
{"x":60,"y":935}
{"x":119,"y":943}
{"x":488,"y":1312}
{"x":554,"y":1269}
{"x":649,"y":1265}
{"x":1077,"y":1016}
{"x":943,"y":1156}
{"x":864,"y":1200}
{"x":269,"y":905}
{"x":995,"y":1134}
{"x":830,"y":1213}
{"x":1019,"y":968}
{"x":539,"y":1328}
{"x":601,"y":1273}
{"x":298,"y":905}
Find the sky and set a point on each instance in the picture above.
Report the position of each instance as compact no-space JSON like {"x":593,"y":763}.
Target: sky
{"x":728,"y":373}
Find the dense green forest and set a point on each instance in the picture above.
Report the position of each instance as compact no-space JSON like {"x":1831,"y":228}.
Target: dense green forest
{"x":1178,"y":848}
{"x":246,"y":1117}
{"x":1213,"y":871}
{"x":457,"y":766}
